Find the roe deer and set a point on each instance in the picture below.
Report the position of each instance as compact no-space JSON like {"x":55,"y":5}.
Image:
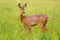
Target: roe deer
{"x":29,"y":21}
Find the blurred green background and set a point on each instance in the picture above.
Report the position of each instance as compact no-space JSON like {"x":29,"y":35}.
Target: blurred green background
{"x":12,"y":29}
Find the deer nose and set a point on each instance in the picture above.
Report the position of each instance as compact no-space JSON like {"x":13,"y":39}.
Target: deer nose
{"x":23,"y":12}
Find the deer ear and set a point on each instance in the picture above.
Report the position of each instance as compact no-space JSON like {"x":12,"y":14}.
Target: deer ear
{"x":19,"y":5}
{"x":25,"y":5}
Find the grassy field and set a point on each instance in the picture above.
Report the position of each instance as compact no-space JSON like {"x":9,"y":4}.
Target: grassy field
{"x":12,"y":29}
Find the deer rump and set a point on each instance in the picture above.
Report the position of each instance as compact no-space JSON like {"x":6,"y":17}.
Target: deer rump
{"x":35,"y":19}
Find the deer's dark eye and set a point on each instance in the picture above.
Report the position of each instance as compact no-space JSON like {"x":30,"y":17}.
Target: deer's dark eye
{"x":20,"y":7}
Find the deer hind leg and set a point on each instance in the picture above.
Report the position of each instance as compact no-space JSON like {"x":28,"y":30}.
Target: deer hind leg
{"x":43,"y":26}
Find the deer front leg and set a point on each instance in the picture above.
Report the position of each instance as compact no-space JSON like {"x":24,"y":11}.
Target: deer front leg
{"x":24,"y":27}
{"x":28,"y":27}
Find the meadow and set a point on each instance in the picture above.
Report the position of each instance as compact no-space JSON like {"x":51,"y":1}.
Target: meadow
{"x":12,"y":29}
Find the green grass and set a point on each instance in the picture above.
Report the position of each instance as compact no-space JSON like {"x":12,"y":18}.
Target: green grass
{"x":12,"y":29}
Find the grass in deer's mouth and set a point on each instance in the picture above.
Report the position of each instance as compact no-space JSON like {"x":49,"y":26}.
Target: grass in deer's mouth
{"x":11,"y":27}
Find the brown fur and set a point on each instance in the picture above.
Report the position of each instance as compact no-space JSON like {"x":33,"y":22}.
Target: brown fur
{"x":28,"y":21}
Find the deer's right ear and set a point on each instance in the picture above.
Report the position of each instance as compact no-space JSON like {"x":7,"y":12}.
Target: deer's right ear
{"x":19,"y":5}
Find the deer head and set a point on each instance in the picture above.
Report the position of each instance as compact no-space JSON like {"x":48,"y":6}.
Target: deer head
{"x":22,"y":7}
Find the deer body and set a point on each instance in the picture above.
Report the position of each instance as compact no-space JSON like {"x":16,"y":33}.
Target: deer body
{"x":28,"y":21}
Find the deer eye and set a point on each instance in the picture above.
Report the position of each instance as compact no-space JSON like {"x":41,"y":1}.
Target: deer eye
{"x":19,"y":7}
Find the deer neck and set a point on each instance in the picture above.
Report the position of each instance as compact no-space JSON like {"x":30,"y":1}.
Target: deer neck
{"x":22,"y":17}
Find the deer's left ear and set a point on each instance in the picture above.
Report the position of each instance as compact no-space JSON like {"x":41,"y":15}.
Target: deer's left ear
{"x":25,"y":4}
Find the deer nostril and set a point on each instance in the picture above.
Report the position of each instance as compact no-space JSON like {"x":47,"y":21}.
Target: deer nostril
{"x":23,"y":12}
